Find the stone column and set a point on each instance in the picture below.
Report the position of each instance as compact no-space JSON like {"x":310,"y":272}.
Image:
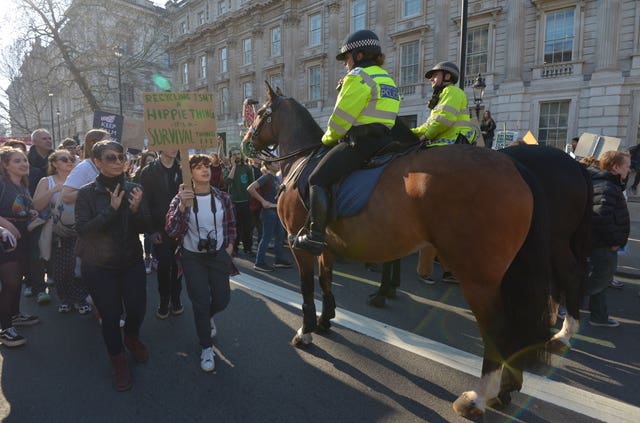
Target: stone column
{"x":607,"y":35}
{"x":515,"y":40}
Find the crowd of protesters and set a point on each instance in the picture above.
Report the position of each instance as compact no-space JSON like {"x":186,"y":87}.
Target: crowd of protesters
{"x":76,"y":214}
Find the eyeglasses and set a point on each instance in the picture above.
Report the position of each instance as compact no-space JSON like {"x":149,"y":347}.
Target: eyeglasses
{"x":112,"y":158}
{"x":66,"y":159}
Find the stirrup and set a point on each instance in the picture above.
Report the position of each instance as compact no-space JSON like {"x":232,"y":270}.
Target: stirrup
{"x":303,"y":242}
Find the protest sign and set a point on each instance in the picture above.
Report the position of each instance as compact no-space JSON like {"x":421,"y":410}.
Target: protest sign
{"x":182,"y":121}
{"x":179,"y":120}
{"x":111,"y":122}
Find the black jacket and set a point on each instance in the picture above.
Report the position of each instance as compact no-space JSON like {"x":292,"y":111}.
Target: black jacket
{"x":158,"y":192}
{"x":611,"y":221}
{"x":37,"y":168}
{"x":106,"y":237}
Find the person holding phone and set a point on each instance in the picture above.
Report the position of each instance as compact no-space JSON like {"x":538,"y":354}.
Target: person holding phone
{"x":110,"y":216}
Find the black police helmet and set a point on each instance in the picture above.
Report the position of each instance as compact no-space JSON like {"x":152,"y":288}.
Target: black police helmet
{"x":446,"y":67}
{"x":363,"y":40}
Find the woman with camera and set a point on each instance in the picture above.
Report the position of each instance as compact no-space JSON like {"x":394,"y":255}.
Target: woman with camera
{"x":206,"y":232}
{"x":110,"y":216}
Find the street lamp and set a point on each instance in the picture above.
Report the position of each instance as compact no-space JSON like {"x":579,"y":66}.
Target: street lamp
{"x":58,"y":116}
{"x":53,"y":131}
{"x":478,"y":93}
{"x":118,"y":51}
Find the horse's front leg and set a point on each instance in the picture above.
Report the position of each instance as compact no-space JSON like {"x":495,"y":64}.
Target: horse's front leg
{"x":305,"y":263}
{"x":325,"y":265}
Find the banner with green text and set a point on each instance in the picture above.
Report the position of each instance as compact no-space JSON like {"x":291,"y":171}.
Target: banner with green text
{"x":179,"y":120}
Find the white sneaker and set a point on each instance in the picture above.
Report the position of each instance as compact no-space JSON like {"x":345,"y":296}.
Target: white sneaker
{"x":214,"y":329}
{"x":207,"y":362}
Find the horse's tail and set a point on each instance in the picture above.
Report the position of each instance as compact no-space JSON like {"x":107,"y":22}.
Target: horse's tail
{"x":526,"y":286}
{"x":581,"y":239}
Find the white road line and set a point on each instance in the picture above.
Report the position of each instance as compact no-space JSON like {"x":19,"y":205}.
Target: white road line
{"x":574,"y":399}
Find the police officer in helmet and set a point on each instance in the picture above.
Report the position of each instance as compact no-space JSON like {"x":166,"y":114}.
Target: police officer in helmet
{"x":360,"y":125}
{"x":449,"y":121}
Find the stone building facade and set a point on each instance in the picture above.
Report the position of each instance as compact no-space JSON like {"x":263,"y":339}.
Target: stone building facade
{"x":556,"y":67}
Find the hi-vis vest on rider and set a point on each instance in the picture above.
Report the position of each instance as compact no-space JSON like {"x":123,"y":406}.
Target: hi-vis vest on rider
{"x":368,"y":95}
{"x":449,"y":118}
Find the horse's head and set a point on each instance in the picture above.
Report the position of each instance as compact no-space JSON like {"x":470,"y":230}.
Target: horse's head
{"x":262,"y":136}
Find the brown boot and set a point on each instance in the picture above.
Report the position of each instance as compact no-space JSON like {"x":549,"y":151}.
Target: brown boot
{"x":138,"y":349}
{"x":121,"y":373}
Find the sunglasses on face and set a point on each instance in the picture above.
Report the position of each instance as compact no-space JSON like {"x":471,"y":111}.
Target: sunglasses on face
{"x":66,"y":159}
{"x":112,"y":158}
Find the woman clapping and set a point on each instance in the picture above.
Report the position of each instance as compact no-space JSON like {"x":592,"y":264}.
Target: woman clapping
{"x":110,"y":215}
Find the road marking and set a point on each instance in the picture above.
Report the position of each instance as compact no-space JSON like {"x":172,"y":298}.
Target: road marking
{"x":580,"y":401}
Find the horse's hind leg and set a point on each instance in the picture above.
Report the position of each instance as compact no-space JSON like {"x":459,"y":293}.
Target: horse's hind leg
{"x":306,"y":266}
{"x":325,"y":264}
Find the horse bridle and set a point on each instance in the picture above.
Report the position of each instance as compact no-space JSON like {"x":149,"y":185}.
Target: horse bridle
{"x":267,"y":154}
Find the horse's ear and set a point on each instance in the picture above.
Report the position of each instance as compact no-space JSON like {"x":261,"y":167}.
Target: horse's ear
{"x":278,"y":92}
{"x":270,"y":93}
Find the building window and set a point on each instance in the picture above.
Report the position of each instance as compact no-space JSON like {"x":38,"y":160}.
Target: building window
{"x":222,"y":7}
{"x":185,"y":73}
{"x":314,"y":83}
{"x":410,"y":8}
{"x":409,"y":59}
{"x":276,"y":81}
{"x":559,"y":36}
{"x":203,"y":67}
{"x":183,"y":27}
{"x":248,"y":89}
{"x":223,"y":60}
{"x":358,"y":15}
{"x":275,"y":42}
{"x":246,"y":51}
{"x":201,"y":18}
{"x":553,"y":124}
{"x":477,"y":50}
{"x":315,"y":29}
{"x":224,"y":100}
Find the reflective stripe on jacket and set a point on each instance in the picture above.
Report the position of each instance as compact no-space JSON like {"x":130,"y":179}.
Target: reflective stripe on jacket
{"x":368,"y":95}
{"x":449,"y":118}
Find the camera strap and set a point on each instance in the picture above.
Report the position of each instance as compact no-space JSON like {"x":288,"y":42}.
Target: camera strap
{"x":213,"y":210}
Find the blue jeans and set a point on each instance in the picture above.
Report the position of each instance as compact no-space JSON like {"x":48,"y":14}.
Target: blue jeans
{"x":271,"y":227}
{"x":604,"y":262}
{"x":110,"y":289}
{"x":207,"y":280}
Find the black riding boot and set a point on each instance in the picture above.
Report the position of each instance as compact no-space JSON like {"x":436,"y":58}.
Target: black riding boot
{"x":313,"y":242}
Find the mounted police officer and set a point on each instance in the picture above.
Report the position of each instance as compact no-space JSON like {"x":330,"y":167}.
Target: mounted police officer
{"x":360,"y":125}
{"x":449,"y":120}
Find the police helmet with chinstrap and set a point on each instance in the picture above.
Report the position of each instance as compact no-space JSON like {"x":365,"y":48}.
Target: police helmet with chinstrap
{"x":446,"y":67}
{"x":363,"y":40}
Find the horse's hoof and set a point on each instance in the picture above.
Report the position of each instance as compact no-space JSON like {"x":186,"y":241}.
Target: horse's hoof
{"x":391,"y":294}
{"x":323,"y":326}
{"x":502,"y":400}
{"x":556,"y":346}
{"x":377,"y":300}
{"x":301,"y":340}
{"x":466,"y":406}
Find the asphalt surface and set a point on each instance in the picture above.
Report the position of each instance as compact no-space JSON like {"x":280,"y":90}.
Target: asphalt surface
{"x":63,"y":374}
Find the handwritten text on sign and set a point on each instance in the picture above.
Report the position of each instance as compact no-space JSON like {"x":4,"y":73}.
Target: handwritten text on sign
{"x":179,"y":120}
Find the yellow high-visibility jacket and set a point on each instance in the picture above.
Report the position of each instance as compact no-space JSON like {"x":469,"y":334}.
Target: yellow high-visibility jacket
{"x":449,"y":118}
{"x":368,"y":95}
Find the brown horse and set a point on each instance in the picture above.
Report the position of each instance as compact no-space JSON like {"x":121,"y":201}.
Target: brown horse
{"x":474,"y":205}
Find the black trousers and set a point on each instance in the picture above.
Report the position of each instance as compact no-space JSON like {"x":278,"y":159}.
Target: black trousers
{"x":363,"y":142}
{"x":169,"y":285}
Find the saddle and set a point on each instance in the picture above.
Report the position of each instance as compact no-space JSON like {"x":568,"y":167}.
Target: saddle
{"x":351,"y":193}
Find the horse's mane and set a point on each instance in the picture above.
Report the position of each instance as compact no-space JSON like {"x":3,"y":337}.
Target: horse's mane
{"x":304,"y":126}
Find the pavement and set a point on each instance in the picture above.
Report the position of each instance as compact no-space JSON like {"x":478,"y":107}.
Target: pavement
{"x":629,"y":259}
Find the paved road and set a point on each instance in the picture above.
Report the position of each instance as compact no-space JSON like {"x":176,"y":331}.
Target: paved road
{"x":382,"y":374}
